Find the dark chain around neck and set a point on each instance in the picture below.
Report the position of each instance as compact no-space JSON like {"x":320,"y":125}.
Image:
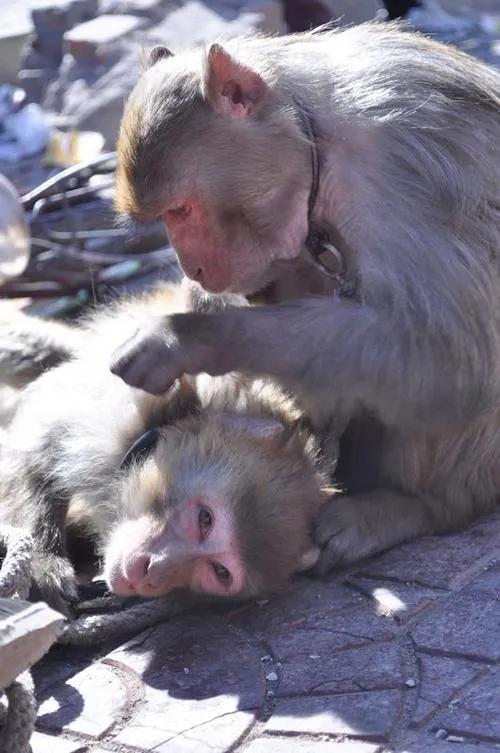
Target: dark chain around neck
{"x":327,"y":248}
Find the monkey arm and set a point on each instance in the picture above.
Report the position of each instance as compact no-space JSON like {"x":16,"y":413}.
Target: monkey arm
{"x":350,"y":528}
{"x":338,"y":352}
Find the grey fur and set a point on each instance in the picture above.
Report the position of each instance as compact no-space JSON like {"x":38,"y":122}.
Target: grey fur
{"x":409,"y":148}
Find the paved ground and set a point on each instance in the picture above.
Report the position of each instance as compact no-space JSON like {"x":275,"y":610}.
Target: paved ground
{"x":401,"y":653}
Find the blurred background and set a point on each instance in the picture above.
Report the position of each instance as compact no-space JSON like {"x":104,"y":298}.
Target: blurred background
{"x":66,"y":67}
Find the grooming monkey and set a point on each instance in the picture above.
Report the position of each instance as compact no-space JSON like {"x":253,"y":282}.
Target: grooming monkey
{"x":211,"y":488}
{"x":375,"y":148}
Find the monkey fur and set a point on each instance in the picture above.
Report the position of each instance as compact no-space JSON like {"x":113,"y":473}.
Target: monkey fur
{"x":222,"y":144}
{"x":227,"y":445}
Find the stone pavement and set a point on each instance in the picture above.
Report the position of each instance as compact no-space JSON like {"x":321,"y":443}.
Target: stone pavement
{"x":399,"y":653}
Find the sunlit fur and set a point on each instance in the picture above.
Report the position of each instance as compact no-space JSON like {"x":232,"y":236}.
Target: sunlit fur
{"x":408,"y":140}
{"x":61,"y":454}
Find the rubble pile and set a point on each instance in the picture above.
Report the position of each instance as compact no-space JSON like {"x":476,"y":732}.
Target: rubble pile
{"x":81,"y":57}
{"x":84,"y":55}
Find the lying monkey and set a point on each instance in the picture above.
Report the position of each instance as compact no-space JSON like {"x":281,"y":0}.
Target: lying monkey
{"x":210,"y":488}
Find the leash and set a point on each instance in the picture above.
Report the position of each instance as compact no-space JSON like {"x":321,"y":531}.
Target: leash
{"x":141,"y":447}
{"x":328,"y":249}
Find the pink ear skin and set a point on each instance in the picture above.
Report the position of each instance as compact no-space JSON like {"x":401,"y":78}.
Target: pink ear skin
{"x":232,"y":88}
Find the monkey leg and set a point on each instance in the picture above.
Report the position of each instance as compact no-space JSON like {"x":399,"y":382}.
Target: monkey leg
{"x":352,"y":527}
{"x":37,"y":504}
{"x":54,"y":581}
{"x":53,"y":575}
{"x":31,"y":346}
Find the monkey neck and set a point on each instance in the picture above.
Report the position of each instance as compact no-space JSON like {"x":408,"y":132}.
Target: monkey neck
{"x":328,"y":249}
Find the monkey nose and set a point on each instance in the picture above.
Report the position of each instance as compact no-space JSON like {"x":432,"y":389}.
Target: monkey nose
{"x":196,"y":273}
{"x":199,"y":274}
{"x":136,"y":569}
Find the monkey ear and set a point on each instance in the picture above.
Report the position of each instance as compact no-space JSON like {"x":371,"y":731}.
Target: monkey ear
{"x":232,"y":88}
{"x":157,"y":53}
{"x":293,"y":435}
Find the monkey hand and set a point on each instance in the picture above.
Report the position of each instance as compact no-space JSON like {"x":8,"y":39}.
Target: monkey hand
{"x":342,"y":535}
{"x":158,"y":355}
{"x":54,"y":581}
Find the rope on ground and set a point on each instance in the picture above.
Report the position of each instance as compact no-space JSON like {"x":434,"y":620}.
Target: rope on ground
{"x":17,"y":719}
{"x":15,"y":572}
{"x":89,"y":630}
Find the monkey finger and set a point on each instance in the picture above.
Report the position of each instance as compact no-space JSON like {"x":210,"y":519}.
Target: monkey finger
{"x":146,"y":364}
{"x":156,"y":380}
{"x":328,"y":559}
{"x":337,"y":534}
{"x":151,"y":374}
{"x":328,"y":523}
{"x":129,"y":355}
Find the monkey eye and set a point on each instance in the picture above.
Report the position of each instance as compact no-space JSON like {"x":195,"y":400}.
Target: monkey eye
{"x":205,"y":521}
{"x":222,"y":573}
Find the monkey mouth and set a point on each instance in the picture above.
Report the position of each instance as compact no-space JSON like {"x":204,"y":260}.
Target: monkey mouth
{"x":214,"y":288}
{"x":120,"y":585}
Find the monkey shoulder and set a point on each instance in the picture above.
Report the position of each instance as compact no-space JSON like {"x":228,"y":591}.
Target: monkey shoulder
{"x":390,"y":73}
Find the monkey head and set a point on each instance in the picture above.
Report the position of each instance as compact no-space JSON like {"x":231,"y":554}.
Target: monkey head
{"x":216,"y":509}
{"x":209,"y":145}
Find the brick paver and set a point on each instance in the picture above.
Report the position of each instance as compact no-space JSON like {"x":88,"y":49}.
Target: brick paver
{"x":377,"y":658}
{"x":474,"y":629}
{"x":430,"y":745}
{"x":441,"y":678}
{"x":297,"y":745}
{"x":41,"y":743}
{"x":476,"y":714}
{"x":358,"y":715}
